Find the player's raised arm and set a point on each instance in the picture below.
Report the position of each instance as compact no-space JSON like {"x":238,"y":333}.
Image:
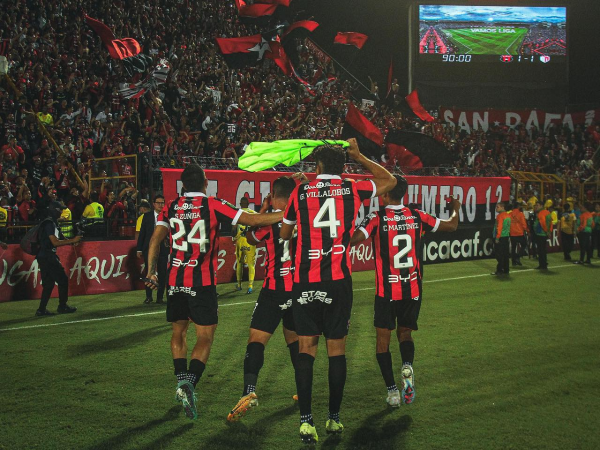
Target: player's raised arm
{"x":451,"y":224}
{"x":384,"y":181}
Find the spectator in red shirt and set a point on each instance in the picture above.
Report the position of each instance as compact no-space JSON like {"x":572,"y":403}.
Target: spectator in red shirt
{"x":14,"y":150}
{"x":27,"y":209}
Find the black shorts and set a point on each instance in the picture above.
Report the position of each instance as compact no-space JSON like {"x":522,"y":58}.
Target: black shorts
{"x":271,"y":308}
{"x":323,"y":308}
{"x":196,"y":304}
{"x":405,"y":312}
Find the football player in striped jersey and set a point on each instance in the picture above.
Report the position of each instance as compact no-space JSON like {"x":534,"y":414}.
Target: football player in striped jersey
{"x":396,"y":231}
{"x":192,"y":222}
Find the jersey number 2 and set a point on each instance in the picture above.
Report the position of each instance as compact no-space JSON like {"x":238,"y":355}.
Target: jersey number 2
{"x":197,"y":235}
{"x":402,"y":252}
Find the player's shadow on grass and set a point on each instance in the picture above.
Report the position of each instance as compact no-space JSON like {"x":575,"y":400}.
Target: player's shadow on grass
{"x":377,"y":431}
{"x":122,"y":440}
{"x":81,"y":314}
{"x":253,"y":435}
{"x":116,"y":343}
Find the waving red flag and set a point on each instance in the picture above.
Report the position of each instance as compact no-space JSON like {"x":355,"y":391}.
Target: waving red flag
{"x":117,"y":48}
{"x":351,"y":38}
{"x":255,"y":10}
{"x":309,"y":25}
{"x":412,"y":100}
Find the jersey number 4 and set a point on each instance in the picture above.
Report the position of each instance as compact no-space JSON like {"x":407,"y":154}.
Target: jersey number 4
{"x":197,"y":235}
{"x":402,"y":252}
{"x":328,"y":209}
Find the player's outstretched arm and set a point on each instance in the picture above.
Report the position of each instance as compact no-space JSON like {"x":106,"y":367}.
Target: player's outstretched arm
{"x":451,"y":224}
{"x":260,"y":220}
{"x":384,"y":181}
{"x":357,"y":237}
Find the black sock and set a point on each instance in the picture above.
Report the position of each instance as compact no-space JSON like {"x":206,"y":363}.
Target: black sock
{"x":385,"y":365}
{"x":407,"y":350}
{"x":337,"y":381}
{"x":293,"y":348}
{"x":253,"y":362}
{"x":304,"y":378}
{"x":196,"y":369}
{"x":180,"y":365}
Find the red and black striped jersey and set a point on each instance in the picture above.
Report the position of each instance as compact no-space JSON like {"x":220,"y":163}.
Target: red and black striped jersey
{"x":193,"y":221}
{"x":278,"y":274}
{"x":324,"y":211}
{"x":396,"y":232}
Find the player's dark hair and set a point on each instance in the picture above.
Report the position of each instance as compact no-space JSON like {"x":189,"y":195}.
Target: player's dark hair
{"x":400,"y":189}
{"x":94,"y":197}
{"x":331,"y":158}
{"x":283,"y":187}
{"x":156,"y":197}
{"x":501,"y":204}
{"x":193,"y":178}
{"x":245,"y":200}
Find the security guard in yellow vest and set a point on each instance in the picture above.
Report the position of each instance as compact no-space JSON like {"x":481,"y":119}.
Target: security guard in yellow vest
{"x":94,"y":210}
{"x":94,"y":213}
{"x":3,"y":222}
{"x":65,"y":223}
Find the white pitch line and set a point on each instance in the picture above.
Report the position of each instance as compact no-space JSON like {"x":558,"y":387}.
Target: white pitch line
{"x":103,"y":318}
{"x":514,"y":272}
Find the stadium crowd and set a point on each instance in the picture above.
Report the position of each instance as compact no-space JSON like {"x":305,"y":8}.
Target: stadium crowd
{"x":64,"y":78}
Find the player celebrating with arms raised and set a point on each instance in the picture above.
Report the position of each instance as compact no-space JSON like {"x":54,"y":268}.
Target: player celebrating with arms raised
{"x":193,"y":222}
{"x":274,"y":303}
{"x":397,"y":231}
{"x":324,"y":210}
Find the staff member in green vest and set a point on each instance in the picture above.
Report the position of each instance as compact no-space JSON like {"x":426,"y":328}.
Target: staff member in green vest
{"x":542,"y":227}
{"x":585,"y":225}
{"x":502,"y":239}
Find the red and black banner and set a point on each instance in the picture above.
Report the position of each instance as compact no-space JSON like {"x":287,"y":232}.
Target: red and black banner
{"x":244,"y":51}
{"x":368,"y":136}
{"x":411,"y":150}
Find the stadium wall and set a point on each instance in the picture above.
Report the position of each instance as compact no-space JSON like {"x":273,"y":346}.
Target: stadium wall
{"x":101,"y":267}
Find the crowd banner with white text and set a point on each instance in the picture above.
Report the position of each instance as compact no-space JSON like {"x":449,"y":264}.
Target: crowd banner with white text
{"x":478,"y":195}
{"x":470,"y":120}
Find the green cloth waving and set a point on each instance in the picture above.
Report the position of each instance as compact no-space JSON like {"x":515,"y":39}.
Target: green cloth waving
{"x":266,"y":155}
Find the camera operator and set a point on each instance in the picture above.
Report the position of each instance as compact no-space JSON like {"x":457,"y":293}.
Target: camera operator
{"x":50,"y":267}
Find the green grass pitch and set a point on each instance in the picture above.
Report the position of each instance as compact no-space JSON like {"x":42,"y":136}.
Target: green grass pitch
{"x":478,"y":43}
{"x":501,"y":363}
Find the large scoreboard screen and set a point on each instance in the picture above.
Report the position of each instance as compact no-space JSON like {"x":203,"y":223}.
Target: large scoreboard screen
{"x":499,"y":34}
{"x":465,"y":53}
